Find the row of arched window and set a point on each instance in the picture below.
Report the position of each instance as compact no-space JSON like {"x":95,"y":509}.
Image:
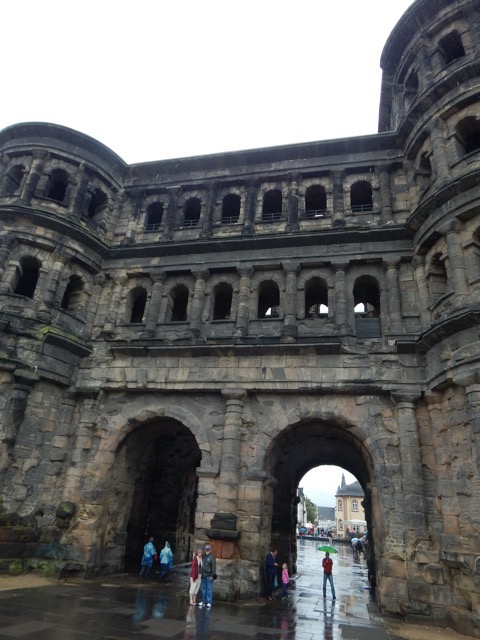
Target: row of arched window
{"x":361,"y":200}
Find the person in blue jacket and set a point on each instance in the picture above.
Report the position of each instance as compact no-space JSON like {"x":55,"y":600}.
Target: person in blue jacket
{"x":166,"y":560}
{"x":149,"y":553}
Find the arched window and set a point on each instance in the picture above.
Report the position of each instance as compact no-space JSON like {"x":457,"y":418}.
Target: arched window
{"x":13,"y":180}
{"x":316,"y":298}
{"x":315,"y":201}
{"x":179,"y":303}
{"x":27,"y":277}
{"x":451,"y":47}
{"x":230,"y":209}
{"x":222,"y":305}
{"x":268,"y":300}
{"x":72,"y":296}
{"x":154,"y":216}
{"x":340,"y":505}
{"x":136,"y":301}
{"x":468,"y":134}
{"x":361,"y":197}
{"x":366,"y":297}
{"x":97,"y":203}
{"x":411,"y":83}
{"x":423,"y":174}
{"x":272,"y":206}
{"x":437,"y":278}
{"x":354,"y":505}
{"x":191,"y":212}
{"x":57,"y":185}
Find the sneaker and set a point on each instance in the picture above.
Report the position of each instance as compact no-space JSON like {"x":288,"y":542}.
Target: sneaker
{"x":209,"y":606}
{"x":200,"y":604}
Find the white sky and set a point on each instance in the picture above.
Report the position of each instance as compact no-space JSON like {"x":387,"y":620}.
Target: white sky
{"x":157,"y":79}
{"x":320,"y":484}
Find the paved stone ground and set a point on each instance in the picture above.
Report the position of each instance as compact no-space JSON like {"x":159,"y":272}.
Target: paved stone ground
{"x":124,"y":607}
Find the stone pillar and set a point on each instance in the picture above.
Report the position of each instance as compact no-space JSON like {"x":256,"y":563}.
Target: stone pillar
{"x":425,"y":67}
{"x":437,"y":139}
{"x":154,"y":303}
{"x":119,"y":282}
{"x":248,"y":226}
{"x":413,"y":498}
{"x":198,"y":300}
{"x":243,"y":307}
{"x":409,"y":169}
{"x":292,"y":209}
{"x":289,"y":330}
{"x":230,"y":464}
{"x":423,"y":292}
{"x":207,"y":228}
{"x":341,"y":307}
{"x":393,"y":296}
{"x":173,"y":195}
{"x":473,"y":408}
{"x":6,"y":244}
{"x":338,"y":215}
{"x":47,"y":303}
{"x":385,"y":195}
{"x":79,"y":198}
{"x":34,"y":175}
{"x":456,"y":262}
{"x":94,"y":307}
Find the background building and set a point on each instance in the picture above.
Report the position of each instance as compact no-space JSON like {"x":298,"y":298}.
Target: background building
{"x":349,"y":512}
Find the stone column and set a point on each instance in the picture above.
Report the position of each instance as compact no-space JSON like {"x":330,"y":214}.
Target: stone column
{"x":94,"y":308}
{"x":292,"y":209}
{"x":79,"y":198}
{"x":207,"y":228}
{"x":6,"y":244}
{"x":473,"y":408}
{"x":393,"y":296}
{"x":173,"y":195}
{"x":289,"y":330}
{"x":248,"y":226}
{"x":198,"y":300}
{"x":456,"y":262}
{"x":47,"y":303}
{"x":338,"y":215}
{"x":34,"y":175}
{"x":413,"y":498}
{"x":423,"y":293}
{"x":230,"y":464}
{"x":409,"y":169}
{"x":153,"y":309}
{"x":119,"y":282}
{"x":243,"y":307}
{"x":425,"y":67}
{"x":437,"y":139}
{"x":341,"y":307}
{"x":385,"y":194}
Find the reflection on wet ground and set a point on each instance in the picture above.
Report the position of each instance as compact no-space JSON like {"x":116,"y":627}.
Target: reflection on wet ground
{"x":123,"y":608}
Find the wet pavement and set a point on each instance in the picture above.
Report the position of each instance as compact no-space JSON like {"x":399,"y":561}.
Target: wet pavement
{"x":124,"y":607}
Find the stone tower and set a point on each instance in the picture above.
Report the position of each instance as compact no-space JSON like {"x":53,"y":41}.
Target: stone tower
{"x":183,"y":340}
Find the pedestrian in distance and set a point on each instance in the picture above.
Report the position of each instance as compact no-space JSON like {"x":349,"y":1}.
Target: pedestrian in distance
{"x":271,"y":568}
{"x":195,"y":576}
{"x":149,"y":555}
{"x":166,"y":560}
{"x":209,"y":574}
{"x":285,"y":580}
{"x":327,"y":565}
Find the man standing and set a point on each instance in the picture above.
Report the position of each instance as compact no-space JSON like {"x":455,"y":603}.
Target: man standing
{"x":209,"y":574}
{"x":327,"y":565}
{"x":271,"y":569}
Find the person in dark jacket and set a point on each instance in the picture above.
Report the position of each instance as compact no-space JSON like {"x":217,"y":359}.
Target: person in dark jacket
{"x":209,"y":574}
{"x":271,"y":569}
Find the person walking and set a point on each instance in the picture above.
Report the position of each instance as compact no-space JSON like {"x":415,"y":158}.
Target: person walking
{"x":285,"y":580}
{"x":195,"y":576}
{"x":327,"y":565}
{"x":209,"y":574}
{"x":271,"y":568}
{"x":149,"y":554}
{"x":166,"y":560}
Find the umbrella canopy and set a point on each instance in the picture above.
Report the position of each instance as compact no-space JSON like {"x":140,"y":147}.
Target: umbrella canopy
{"x":327,"y":547}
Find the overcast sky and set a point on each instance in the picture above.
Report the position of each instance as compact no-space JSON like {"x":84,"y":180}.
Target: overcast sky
{"x":155,"y":79}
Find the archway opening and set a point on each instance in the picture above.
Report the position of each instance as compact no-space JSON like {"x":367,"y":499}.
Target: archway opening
{"x":155,"y":486}
{"x":298,"y":449}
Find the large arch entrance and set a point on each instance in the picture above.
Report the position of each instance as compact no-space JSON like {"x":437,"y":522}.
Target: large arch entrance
{"x":156,"y":482}
{"x":299,"y":448}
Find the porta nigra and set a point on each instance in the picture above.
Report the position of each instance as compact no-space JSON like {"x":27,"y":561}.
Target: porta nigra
{"x":182,"y":340}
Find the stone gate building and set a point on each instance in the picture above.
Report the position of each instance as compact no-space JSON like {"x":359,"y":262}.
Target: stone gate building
{"x":182,"y":340}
